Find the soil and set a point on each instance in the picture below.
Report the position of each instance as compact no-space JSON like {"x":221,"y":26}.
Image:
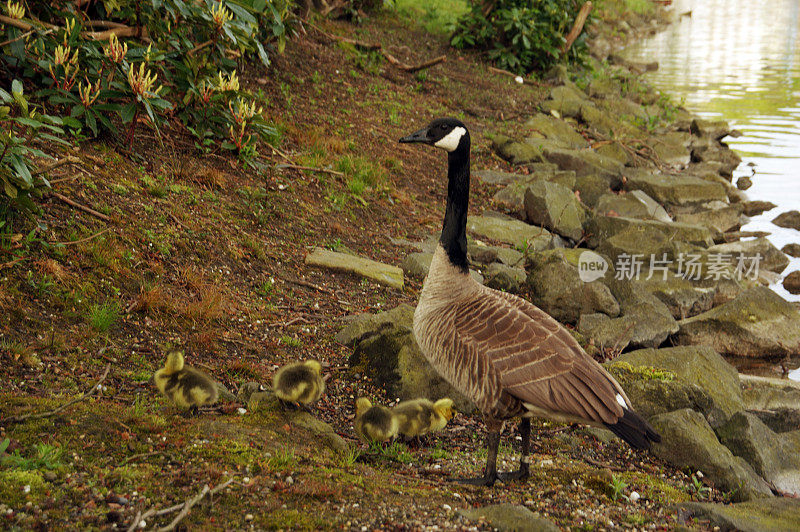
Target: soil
{"x":207,"y":253}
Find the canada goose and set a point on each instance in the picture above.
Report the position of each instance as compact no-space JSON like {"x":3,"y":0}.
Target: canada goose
{"x":508,"y":356}
{"x":374,"y":423}
{"x":299,"y":383}
{"x":185,"y":386}
{"x":421,"y":416}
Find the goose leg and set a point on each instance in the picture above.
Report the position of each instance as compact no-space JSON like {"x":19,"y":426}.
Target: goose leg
{"x":490,"y":473}
{"x":524,"y":462}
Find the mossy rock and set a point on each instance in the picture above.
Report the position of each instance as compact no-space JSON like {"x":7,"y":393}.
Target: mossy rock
{"x":770,"y":515}
{"x":601,"y":228}
{"x":555,"y":207}
{"x":509,"y":518}
{"x":557,"y":130}
{"x":674,"y":190}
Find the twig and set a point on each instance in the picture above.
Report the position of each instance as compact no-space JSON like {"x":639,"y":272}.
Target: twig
{"x":199,"y":47}
{"x":140,"y":455}
{"x":72,"y":242}
{"x":307,"y":285}
{"x":309,"y":168}
{"x":62,"y":162}
{"x":601,"y":464}
{"x":90,"y":392}
{"x":177,"y":221}
{"x":290,"y":322}
{"x":5,"y":43}
{"x":184,"y":507}
{"x":577,"y":28}
{"x":78,"y":206}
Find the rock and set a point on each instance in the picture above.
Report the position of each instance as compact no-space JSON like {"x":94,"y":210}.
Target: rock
{"x":671,"y":148}
{"x":366,"y":325}
{"x":479,"y":252}
{"x":496,"y":177}
{"x":744,"y":182}
{"x":389,"y":355}
{"x":635,"y":204}
{"x":654,"y":391}
{"x":320,"y":430}
{"x":557,"y":288}
{"x":247,"y":389}
{"x":754,"y":208}
{"x":780,"y":420}
{"x":502,"y":277}
{"x":601,"y":228}
{"x":789,"y":219}
{"x":717,"y":220}
{"x":416,"y":265}
{"x":673,"y":189}
{"x":590,"y":188}
{"x":555,"y":207}
{"x":771,"y":258}
{"x":687,"y":441}
{"x":557,"y":130}
{"x":566,"y":100}
{"x":634,"y":241}
{"x":516,"y":152}
{"x":606,"y":333}
{"x":696,"y":366}
{"x":728,"y":159}
{"x":772,"y":456}
{"x":793,"y":250}
{"x":771,"y":515}
{"x":601,"y":121}
{"x":758,"y":323}
{"x":615,"y":150}
{"x":511,"y":199}
{"x":792,"y":282}
{"x":511,"y":231}
{"x":224,"y":393}
{"x":584,"y":162}
{"x":263,"y":402}
{"x":768,"y":393}
{"x":712,"y":130}
{"x":383,"y":273}
{"x":653,"y":321}
{"x":509,"y":518}
{"x":682,"y":297}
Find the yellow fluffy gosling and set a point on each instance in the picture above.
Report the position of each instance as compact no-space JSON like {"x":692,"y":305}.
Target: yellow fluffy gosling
{"x":185,"y":386}
{"x":421,"y":416}
{"x":374,"y":423}
{"x":299,"y":383}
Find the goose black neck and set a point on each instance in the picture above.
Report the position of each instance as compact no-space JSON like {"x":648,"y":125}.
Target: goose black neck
{"x":454,"y":229}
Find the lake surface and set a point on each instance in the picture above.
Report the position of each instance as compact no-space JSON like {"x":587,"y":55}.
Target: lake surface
{"x":739,"y":61}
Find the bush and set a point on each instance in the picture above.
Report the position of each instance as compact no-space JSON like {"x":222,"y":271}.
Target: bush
{"x":115,"y":63}
{"x":520,"y":35}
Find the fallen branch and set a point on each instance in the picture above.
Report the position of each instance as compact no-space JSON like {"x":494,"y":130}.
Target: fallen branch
{"x":67,"y":160}
{"x":73,"y":242}
{"x":184,"y":507}
{"x":310,"y":169}
{"x":89,"y":393}
{"x":78,"y":206}
{"x":577,"y":28}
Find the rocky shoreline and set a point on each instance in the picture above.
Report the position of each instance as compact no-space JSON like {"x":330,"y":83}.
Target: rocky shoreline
{"x":620,"y":220}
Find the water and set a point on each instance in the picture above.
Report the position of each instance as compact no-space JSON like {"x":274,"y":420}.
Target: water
{"x":739,"y":61}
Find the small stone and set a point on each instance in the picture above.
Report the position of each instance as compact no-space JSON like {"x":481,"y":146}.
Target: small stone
{"x":634,"y":496}
{"x":447,"y":507}
{"x":248,"y":517}
{"x":142,"y":524}
{"x":241,"y":411}
{"x":289,"y":480}
{"x":789,"y":219}
{"x":744,"y":182}
{"x":792,"y":282}
{"x":793,"y":250}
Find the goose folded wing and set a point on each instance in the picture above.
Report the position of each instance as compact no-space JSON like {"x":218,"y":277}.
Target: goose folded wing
{"x":536,"y":359}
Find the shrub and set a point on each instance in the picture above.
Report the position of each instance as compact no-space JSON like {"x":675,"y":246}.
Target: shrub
{"x":520,"y":35}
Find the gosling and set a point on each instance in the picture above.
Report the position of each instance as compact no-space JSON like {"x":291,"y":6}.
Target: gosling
{"x":187,"y":387}
{"x":418,"y":417}
{"x":299,"y":383}
{"x":374,"y":423}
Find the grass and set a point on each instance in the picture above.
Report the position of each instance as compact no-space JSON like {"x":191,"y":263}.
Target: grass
{"x":360,"y":173}
{"x":103,"y":317}
{"x":617,"y":486}
{"x":45,"y":456}
{"x":282,"y":459}
{"x":436,"y":16}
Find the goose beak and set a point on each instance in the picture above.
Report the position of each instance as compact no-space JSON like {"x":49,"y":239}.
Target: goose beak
{"x":418,"y":136}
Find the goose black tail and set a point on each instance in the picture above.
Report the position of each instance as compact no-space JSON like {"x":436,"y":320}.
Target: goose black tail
{"x":632,"y":428}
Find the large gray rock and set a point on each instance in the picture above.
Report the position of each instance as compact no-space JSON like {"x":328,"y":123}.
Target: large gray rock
{"x":758,"y":323}
{"x":714,"y":130}
{"x":556,"y":287}
{"x":771,"y":258}
{"x":591,"y":187}
{"x":417,"y":265}
{"x":767,"y":515}
{"x":566,"y":100}
{"x":687,"y":441}
{"x":552,"y":128}
{"x":671,"y":148}
{"x":511,"y":198}
{"x":386,"y":351}
{"x":516,"y":152}
{"x":480,"y":252}
{"x":584,"y":162}
{"x":769,"y":393}
{"x":511,"y":231}
{"x":754,"y":208}
{"x":605,"y":332}
{"x":601,"y":120}
{"x":555,"y":207}
{"x":717,"y":220}
{"x":497,"y":177}
{"x":632,"y":205}
{"x":696,"y":366}
{"x":502,"y":277}
{"x":604,"y":227}
{"x":674,"y":189}
{"x":793,"y":250}
{"x":652,"y":319}
{"x":775,"y":457}
{"x":644,"y":241}
{"x":509,"y":518}
{"x":792,"y":282}
{"x":789,"y":219}
{"x":330,"y":260}
{"x":683,"y":298}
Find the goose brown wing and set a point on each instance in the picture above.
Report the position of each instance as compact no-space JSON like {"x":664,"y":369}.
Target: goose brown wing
{"x":536,"y":359}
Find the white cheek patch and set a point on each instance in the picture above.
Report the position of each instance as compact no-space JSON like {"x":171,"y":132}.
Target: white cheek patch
{"x":621,"y":401}
{"x":450,"y":141}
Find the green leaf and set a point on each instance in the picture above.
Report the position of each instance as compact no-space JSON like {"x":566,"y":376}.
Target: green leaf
{"x":127,"y":113}
{"x":16,"y":87}
{"x":11,"y":190}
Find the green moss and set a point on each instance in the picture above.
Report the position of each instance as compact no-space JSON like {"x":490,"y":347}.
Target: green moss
{"x":645,"y":372}
{"x":18,"y":487}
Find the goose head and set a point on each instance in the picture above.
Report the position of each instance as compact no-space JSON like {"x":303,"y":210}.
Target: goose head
{"x":443,"y":133}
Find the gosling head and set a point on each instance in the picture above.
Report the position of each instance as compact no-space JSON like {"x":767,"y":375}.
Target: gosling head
{"x":174,"y":360}
{"x":446,"y":408}
{"x":444,"y":133}
{"x":362,"y":405}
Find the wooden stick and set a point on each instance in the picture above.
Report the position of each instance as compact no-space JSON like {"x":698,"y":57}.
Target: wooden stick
{"x":310,"y":168}
{"x":577,"y":28}
{"x":24,"y":26}
{"x":90,"y":392}
{"x":67,"y":160}
{"x":78,"y":206}
{"x":72,"y":242}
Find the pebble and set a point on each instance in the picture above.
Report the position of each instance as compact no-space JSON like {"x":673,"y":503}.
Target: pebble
{"x":248,"y":517}
{"x":447,"y":507}
{"x":241,"y":411}
{"x":634,"y":496}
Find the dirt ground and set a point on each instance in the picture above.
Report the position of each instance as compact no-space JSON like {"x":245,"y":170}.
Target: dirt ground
{"x":204,"y":252}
